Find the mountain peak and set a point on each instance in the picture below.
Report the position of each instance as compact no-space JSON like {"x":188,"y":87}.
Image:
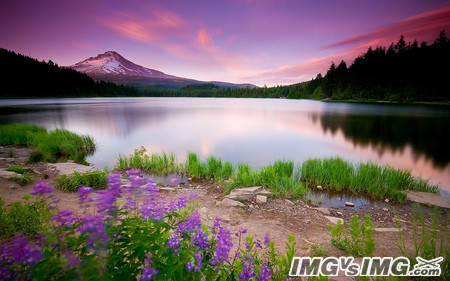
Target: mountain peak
{"x":112,"y":63}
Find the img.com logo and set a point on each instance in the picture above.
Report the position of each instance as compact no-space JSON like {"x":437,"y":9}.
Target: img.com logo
{"x":369,"y":266}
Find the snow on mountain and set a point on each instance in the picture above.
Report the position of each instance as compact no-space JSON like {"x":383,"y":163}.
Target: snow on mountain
{"x":112,"y":63}
{"x":111,"y":66}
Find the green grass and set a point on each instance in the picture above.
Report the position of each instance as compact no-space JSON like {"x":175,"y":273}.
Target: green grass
{"x":22,"y":179}
{"x":95,"y":179}
{"x":27,"y":217}
{"x":285,"y":178}
{"x":367,"y":178}
{"x":157,"y":164}
{"x":51,"y":146}
{"x":19,"y":169}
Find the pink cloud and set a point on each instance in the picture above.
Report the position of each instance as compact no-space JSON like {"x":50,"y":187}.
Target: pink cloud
{"x":426,"y":26}
{"x":203,"y":38}
{"x":154,"y":26}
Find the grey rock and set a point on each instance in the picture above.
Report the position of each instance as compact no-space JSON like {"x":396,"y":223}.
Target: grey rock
{"x":247,"y":193}
{"x":227,"y":202}
{"x":324,"y":211}
{"x":389,"y":229}
{"x":289,"y":202}
{"x":7,"y":174}
{"x":261,"y":199}
{"x":167,"y":189}
{"x":334,"y":219}
{"x":385,"y":209}
{"x":319,"y":187}
{"x":349,"y":204}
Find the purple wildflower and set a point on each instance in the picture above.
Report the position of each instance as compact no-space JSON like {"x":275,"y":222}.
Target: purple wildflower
{"x":114,"y":185}
{"x":134,"y":172}
{"x":105,"y":201}
{"x":84,"y":192}
{"x":19,"y":251}
{"x":247,"y":269}
{"x":64,"y":218}
{"x":94,"y":225}
{"x":242,"y":230}
{"x":266,"y":239}
{"x":200,"y":239}
{"x":174,"y":243}
{"x":148,"y":272}
{"x":192,"y":223}
{"x":264,"y":274}
{"x":72,"y":260}
{"x":189,"y":266}
{"x":224,"y":245}
{"x":41,"y":188}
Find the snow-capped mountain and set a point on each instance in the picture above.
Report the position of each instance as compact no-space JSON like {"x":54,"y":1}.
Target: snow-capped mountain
{"x":111,"y":66}
{"x":112,"y":63}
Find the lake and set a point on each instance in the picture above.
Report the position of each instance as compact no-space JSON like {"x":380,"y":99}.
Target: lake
{"x":256,"y":131}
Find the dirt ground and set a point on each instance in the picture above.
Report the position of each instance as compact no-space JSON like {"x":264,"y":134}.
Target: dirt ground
{"x":277,"y":217}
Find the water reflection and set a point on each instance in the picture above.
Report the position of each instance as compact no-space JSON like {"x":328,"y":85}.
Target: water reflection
{"x":251,"y":130}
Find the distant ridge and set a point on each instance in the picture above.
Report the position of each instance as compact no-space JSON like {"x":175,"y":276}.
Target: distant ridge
{"x":111,"y":66}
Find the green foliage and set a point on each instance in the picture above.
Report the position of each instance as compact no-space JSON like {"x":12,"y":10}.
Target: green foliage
{"x":319,"y":250}
{"x":95,"y":179}
{"x":22,"y":179}
{"x":369,"y":178}
{"x":19,"y":169}
{"x":359,"y":242}
{"x":156,"y":164}
{"x":50,"y":146}
{"x":118,"y":243}
{"x":28,"y":217}
{"x":29,"y":78}
{"x":430,"y":240}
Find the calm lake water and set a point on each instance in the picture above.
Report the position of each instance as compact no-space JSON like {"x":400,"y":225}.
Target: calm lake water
{"x":256,"y":131}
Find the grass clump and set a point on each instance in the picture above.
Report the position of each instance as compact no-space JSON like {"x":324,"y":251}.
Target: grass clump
{"x":359,"y":242}
{"x":369,"y":178}
{"x":430,"y":239}
{"x":28,"y":217}
{"x":95,"y":179}
{"x":19,"y":169}
{"x":22,"y":179}
{"x":157,"y":164}
{"x":51,"y":146}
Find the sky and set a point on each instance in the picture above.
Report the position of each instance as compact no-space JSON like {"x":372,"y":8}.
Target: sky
{"x":264,"y":42}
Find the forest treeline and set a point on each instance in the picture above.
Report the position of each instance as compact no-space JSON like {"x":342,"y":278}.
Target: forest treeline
{"x":402,"y":72}
{"x":25,"y":77}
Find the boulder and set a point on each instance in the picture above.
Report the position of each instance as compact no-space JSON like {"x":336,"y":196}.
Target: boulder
{"x":349,"y":204}
{"x":324,"y":211}
{"x":246,"y":193}
{"x":261,"y":199}
{"x":334,"y":219}
{"x":68,"y":168}
{"x":227,"y":202}
{"x":7,"y":174}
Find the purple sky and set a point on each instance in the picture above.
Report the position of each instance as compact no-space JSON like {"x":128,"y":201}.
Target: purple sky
{"x":273,"y":42}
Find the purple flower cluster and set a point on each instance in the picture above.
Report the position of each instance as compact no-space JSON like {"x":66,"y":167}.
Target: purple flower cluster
{"x":191,"y":224}
{"x":64,"y":218}
{"x":41,"y":188}
{"x":147,"y":272}
{"x":19,"y":251}
{"x":95,"y":227}
{"x":84,"y":192}
{"x":224,"y":244}
{"x":265,"y":272}
{"x":247,"y":268}
{"x":196,"y":266}
{"x":174,"y":243}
